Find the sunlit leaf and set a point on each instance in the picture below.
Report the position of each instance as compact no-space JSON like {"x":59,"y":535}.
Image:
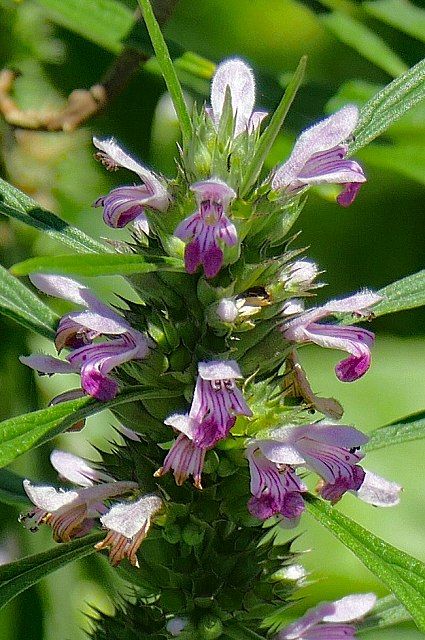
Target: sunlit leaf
{"x":407,"y":293}
{"x":389,"y":105}
{"x":409,"y":428}
{"x":18,"y":205}
{"x":97,"y":265}
{"x":20,"y":434}
{"x":21,"y":304}
{"x":401,"y":573}
{"x":18,"y":576}
{"x":401,"y":14}
{"x":371,"y":46}
{"x":359,"y":92}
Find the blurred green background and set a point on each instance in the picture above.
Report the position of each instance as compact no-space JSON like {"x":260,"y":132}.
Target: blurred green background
{"x":353,"y":49}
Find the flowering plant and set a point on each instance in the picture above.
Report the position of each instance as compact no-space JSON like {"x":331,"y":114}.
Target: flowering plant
{"x":224,"y":443}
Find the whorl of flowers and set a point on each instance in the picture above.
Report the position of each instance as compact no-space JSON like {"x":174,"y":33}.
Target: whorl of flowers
{"x":211,"y":347}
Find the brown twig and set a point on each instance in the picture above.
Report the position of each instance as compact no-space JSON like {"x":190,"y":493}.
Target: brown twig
{"x":82,"y":104}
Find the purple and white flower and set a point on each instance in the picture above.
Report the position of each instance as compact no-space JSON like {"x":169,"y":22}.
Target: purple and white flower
{"x":71,"y":514}
{"x":78,"y":330}
{"x":184,"y":459}
{"x":354,"y":340}
{"x":128,"y":524}
{"x":236,"y":75}
{"x":127,"y":204}
{"x":275,"y":488}
{"x":379,"y":491}
{"x":319,"y":157}
{"x":216,"y":403}
{"x":208,"y":227}
{"x":333,"y":452}
{"x":330,"y":620}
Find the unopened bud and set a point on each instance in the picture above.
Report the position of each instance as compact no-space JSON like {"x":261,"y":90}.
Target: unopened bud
{"x":210,"y":627}
{"x":227,"y":310}
{"x":176,"y":625}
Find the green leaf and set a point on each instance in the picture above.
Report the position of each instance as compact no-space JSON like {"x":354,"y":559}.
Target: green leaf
{"x":21,"y":304}
{"x":18,"y":205}
{"x":167,"y":69}
{"x":401,"y":573}
{"x":410,"y":428}
{"x":270,"y":133}
{"x":22,"y":433}
{"x":11,"y":489}
{"x":386,"y":613}
{"x":407,"y":293}
{"x":97,"y":265}
{"x":366,"y":42}
{"x":18,"y":576}
{"x":402,"y":15}
{"x":105,"y":22}
{"x":389,"y":105}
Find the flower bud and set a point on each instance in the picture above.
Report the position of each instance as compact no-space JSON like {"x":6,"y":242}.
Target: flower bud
{"x":210,"y":627}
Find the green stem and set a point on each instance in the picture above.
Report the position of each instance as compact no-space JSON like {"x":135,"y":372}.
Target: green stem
{"x":167,"y":69}
{"x":270,"y":134}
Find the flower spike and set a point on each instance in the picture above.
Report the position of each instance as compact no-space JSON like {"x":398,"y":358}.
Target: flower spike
{"x":127,"y":204}
{"x":207,"y":226}
{"x":354,"y":340}
{"x":319,"y":157}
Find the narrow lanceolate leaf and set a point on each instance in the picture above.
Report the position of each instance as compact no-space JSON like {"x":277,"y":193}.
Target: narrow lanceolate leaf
{"x":409,"y":428}
{"x":366,"y":42}
{"x":105,"y":22}
{"x":401,"y":573}
{"x":11,"y":489}
{"x":404,"y":16}
{"x":20,"y":434}
{"x":21,"y":304}
{"x":18,"y":205}
{"x":407,"y":293}
{"x":386,"y":613}
{"x":276,"y":122}
{"x":97,"y":264}
{"x":389,"y":105}
{"x":167,"y":69}
{"x":18,"y":576}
